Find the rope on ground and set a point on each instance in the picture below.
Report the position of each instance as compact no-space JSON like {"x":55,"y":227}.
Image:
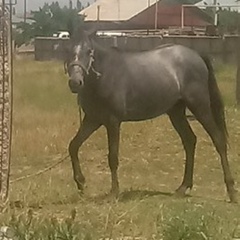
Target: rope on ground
{"x":41,"y":171}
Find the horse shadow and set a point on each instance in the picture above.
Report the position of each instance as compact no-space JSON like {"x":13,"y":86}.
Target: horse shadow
{"x":130,"y":195}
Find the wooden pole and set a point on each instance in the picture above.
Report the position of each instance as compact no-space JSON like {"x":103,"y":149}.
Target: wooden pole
{"x":98,"y":13}
{"x":6,"y":101}
{"x":238,"y":78}
{"x":238,"y":66}
{"x":25,"y":11}
{"x":119,"y":10}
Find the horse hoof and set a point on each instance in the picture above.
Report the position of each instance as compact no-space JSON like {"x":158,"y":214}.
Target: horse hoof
{"x":182,"y":191}
{"x":80,"y":193}
{"x":114,"y":194}
{"x":80,"y":186}
{"x":233,"y":197}
{"x":179,"y":194}
{"x":80,"y":182}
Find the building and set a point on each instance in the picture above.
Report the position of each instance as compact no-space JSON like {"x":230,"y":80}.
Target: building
{"x":17,"y":20}
{"x":143,"y":14}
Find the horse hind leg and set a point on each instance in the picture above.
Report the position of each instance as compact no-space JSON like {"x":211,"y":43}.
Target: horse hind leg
{"x":181,"y":125}
{"x":113,"y":133}
{"x":204,"y":114}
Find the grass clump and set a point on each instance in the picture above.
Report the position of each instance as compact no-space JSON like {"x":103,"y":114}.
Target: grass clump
{"x":188,"y":227}
{"x":27,"y":226}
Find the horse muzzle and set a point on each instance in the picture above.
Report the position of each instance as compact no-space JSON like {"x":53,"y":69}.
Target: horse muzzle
{"x":74,"y":86}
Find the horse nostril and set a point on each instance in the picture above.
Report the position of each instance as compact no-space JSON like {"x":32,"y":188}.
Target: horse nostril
{"x":81,"y":83}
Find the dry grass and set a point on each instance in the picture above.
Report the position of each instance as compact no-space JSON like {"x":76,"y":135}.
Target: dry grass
{"x":151,"y":167}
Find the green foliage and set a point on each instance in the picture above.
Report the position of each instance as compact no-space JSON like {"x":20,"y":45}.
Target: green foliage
{"x":23,"y":34}
{"x":79,"y":5}
{"x":28,"y":226}
{"x":229,"y":20}
{"x":190,"y":225}
{"x":47,"y":20}
{"x":52,"y":18}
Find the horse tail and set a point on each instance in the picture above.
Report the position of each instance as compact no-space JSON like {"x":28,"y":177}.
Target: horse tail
{"x":216,"y":101}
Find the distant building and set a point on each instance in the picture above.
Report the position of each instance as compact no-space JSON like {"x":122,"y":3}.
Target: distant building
{"x":18,"y":19}
{"x":143,"y":14}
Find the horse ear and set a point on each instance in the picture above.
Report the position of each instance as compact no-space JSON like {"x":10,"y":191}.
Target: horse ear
{"x":75,"y":26}
{"x":91,"y":33}
{"x":70,"y":27}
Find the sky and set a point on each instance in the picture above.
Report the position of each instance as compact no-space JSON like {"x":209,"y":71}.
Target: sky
{"x":35,"y":4}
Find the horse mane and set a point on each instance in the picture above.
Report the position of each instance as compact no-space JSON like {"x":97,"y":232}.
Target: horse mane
{"x":120,"y":50}
{"x":165,"y":45}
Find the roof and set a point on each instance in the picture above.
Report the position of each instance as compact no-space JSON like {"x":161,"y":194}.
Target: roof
{"x":169,"y":16}
{"x":122,"y":10}
{"x":115,"y":10}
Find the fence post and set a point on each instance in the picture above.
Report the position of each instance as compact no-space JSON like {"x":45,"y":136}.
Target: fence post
{"x":5,"y":100}
{"x":238,"y":73}
{"x":224,"y":50}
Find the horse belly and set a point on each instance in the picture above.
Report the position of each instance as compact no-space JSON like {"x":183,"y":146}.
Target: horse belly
{"x":147,"y":107}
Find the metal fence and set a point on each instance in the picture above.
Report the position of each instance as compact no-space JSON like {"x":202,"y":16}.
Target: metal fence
{"x":5,"y":99}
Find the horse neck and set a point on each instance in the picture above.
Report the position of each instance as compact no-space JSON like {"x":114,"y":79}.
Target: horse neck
{"x":99,"y":51}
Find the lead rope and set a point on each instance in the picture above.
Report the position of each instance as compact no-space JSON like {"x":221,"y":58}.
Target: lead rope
{"x":90,"y":66}
{"x":65,"y":67}
{"x":80,"y":115}
{"x":98,"y":74}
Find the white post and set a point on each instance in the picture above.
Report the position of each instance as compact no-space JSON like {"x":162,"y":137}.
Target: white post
{"x":156,"y":15}
{"x":182,"y":17}
{"x":215,"y":13}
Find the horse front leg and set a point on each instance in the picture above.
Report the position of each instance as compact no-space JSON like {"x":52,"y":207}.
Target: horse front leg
{"x":113,"y":132}
{"x":86,"y":129}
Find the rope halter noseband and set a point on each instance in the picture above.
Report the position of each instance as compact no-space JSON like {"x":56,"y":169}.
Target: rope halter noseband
{"x":87,"y":69}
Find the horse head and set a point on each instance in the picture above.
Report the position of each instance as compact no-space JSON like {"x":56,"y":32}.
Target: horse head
{"x":79,"y":58}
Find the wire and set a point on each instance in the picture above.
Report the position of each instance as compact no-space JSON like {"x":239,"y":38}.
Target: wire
{"x":41,"y":171}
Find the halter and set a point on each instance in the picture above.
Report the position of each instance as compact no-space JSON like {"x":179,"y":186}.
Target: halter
{"x":85,"y":70}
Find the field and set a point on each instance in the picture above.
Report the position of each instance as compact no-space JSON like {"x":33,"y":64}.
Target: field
{"x":48,"y":206}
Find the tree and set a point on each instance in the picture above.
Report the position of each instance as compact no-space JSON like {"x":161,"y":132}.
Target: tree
{"x":70,"y":4}
{"x":47,"y":20}
{"x":79,"y":5}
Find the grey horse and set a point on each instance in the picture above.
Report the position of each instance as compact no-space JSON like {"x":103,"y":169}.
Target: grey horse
{"x":115,"y":86}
